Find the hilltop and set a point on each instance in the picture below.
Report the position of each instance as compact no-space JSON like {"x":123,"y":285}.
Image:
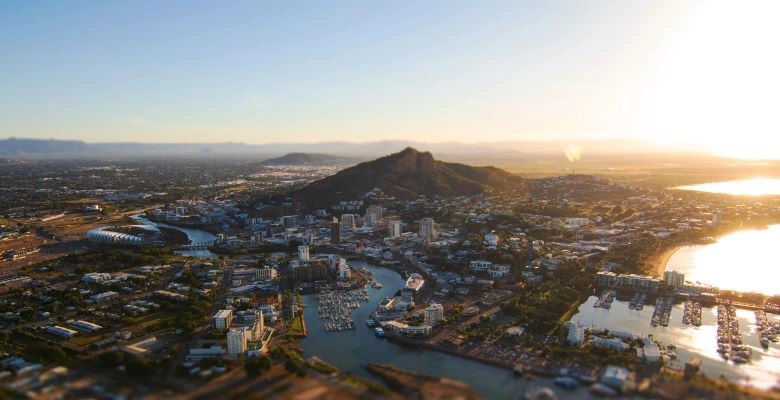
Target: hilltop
{"x":307,"y":159}
{"x":405,"y":175}
{"x":13,"y":147}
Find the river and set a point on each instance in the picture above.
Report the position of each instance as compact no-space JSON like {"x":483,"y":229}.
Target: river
{"x":350,"y":350}
{"x":194,"y":235}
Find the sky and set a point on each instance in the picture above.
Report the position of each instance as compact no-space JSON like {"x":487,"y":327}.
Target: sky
{"x":683,"y":71}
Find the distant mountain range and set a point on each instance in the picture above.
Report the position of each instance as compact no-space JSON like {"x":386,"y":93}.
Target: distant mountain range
{"x":487,"y":153}
{"x":405,"y":175}
{"x":308,"y":159}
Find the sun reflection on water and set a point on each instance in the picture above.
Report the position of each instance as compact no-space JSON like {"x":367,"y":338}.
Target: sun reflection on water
{"x":745,"y":261}
{"x":746,"y":187}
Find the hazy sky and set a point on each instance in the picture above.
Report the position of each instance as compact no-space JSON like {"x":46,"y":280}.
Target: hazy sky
{"x":268,"y":71}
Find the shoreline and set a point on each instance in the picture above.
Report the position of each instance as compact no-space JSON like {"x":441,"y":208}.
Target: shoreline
{"x":658,"y":263}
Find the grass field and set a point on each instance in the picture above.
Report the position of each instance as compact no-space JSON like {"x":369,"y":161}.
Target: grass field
{"x":296,"y":326}
{"x":145,"y":321}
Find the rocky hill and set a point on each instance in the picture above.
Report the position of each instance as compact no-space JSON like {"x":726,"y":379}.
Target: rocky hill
{"x":405,"y":175}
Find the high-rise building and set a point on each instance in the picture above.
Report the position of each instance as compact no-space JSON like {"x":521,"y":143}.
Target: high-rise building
{"x":290,"y":221}
{"x":223,"y":319}
{"x":433,"y":314}
{"x":236,"y":341}
{"x":427,"y":229}
{"x":348,"y":222}
{"x":716,"y":216}
{"x":376,"y":210}
{"x":266,"y":273}
{"x":252,"y":322}
{"x":370,"y":220}
{"x":309,"y":270}
{"x":335,"y":231}
{"x":394,"y":228}
{"x":303,"y":253}
{"x":674,"y":279}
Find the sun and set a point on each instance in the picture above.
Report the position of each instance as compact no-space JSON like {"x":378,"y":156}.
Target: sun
{"x":717,"y":84}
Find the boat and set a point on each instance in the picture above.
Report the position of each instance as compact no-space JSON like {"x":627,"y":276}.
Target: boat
{"x":379,"y":332}
{"x":600,"y":389}
{"x":376,"y":284}
{"x":566,"y":382}
{"x":535,"y":393}
{"x":370,"y":323}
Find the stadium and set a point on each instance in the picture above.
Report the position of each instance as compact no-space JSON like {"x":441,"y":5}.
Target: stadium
{"x":130,"y":234}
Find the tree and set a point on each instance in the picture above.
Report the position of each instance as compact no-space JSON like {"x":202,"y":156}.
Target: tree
{"x":111,"y":358}
{"x":255,"y":366}
{"x":291,"y":366}
{"x":139,"y":367}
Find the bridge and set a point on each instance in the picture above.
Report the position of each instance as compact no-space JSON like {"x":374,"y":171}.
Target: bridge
{"x":198,"y":246}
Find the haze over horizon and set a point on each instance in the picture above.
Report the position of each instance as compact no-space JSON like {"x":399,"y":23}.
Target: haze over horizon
{"x":277,"y":72}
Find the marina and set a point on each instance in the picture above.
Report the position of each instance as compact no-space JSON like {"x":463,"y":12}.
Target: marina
{"x":663,"y":307}
{"x":335,"y":308}
{"x":349,"y":350}
{"x":689,"y":341}
{"x":767,"y":329}
{"x":730,"y":344}
{"x":638,"y":301}
{"x":606,"y":299}
{"x":692,"y":313}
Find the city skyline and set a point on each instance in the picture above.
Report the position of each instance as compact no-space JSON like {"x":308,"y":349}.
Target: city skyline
{"x":279,"y":72}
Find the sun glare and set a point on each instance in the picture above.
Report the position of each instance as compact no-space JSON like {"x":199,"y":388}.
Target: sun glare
{"x":716,"y":84}
{"x":745,"y":187}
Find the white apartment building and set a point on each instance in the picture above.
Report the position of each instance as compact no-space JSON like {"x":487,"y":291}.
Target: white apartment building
{"x":375,"y":210}
{"x":223,"y":319}
{"x":394,"y":228}
{"x":433,"y":314}
{"x":674,"y":279}
{"x":348,"y":222}
{"x":370,"y":220}
{"x":427,"y":229}
{"x":236,"y":341}
{"x":576,"y":334}
{"x":408,"y":330}
{"x":303,"y":253}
